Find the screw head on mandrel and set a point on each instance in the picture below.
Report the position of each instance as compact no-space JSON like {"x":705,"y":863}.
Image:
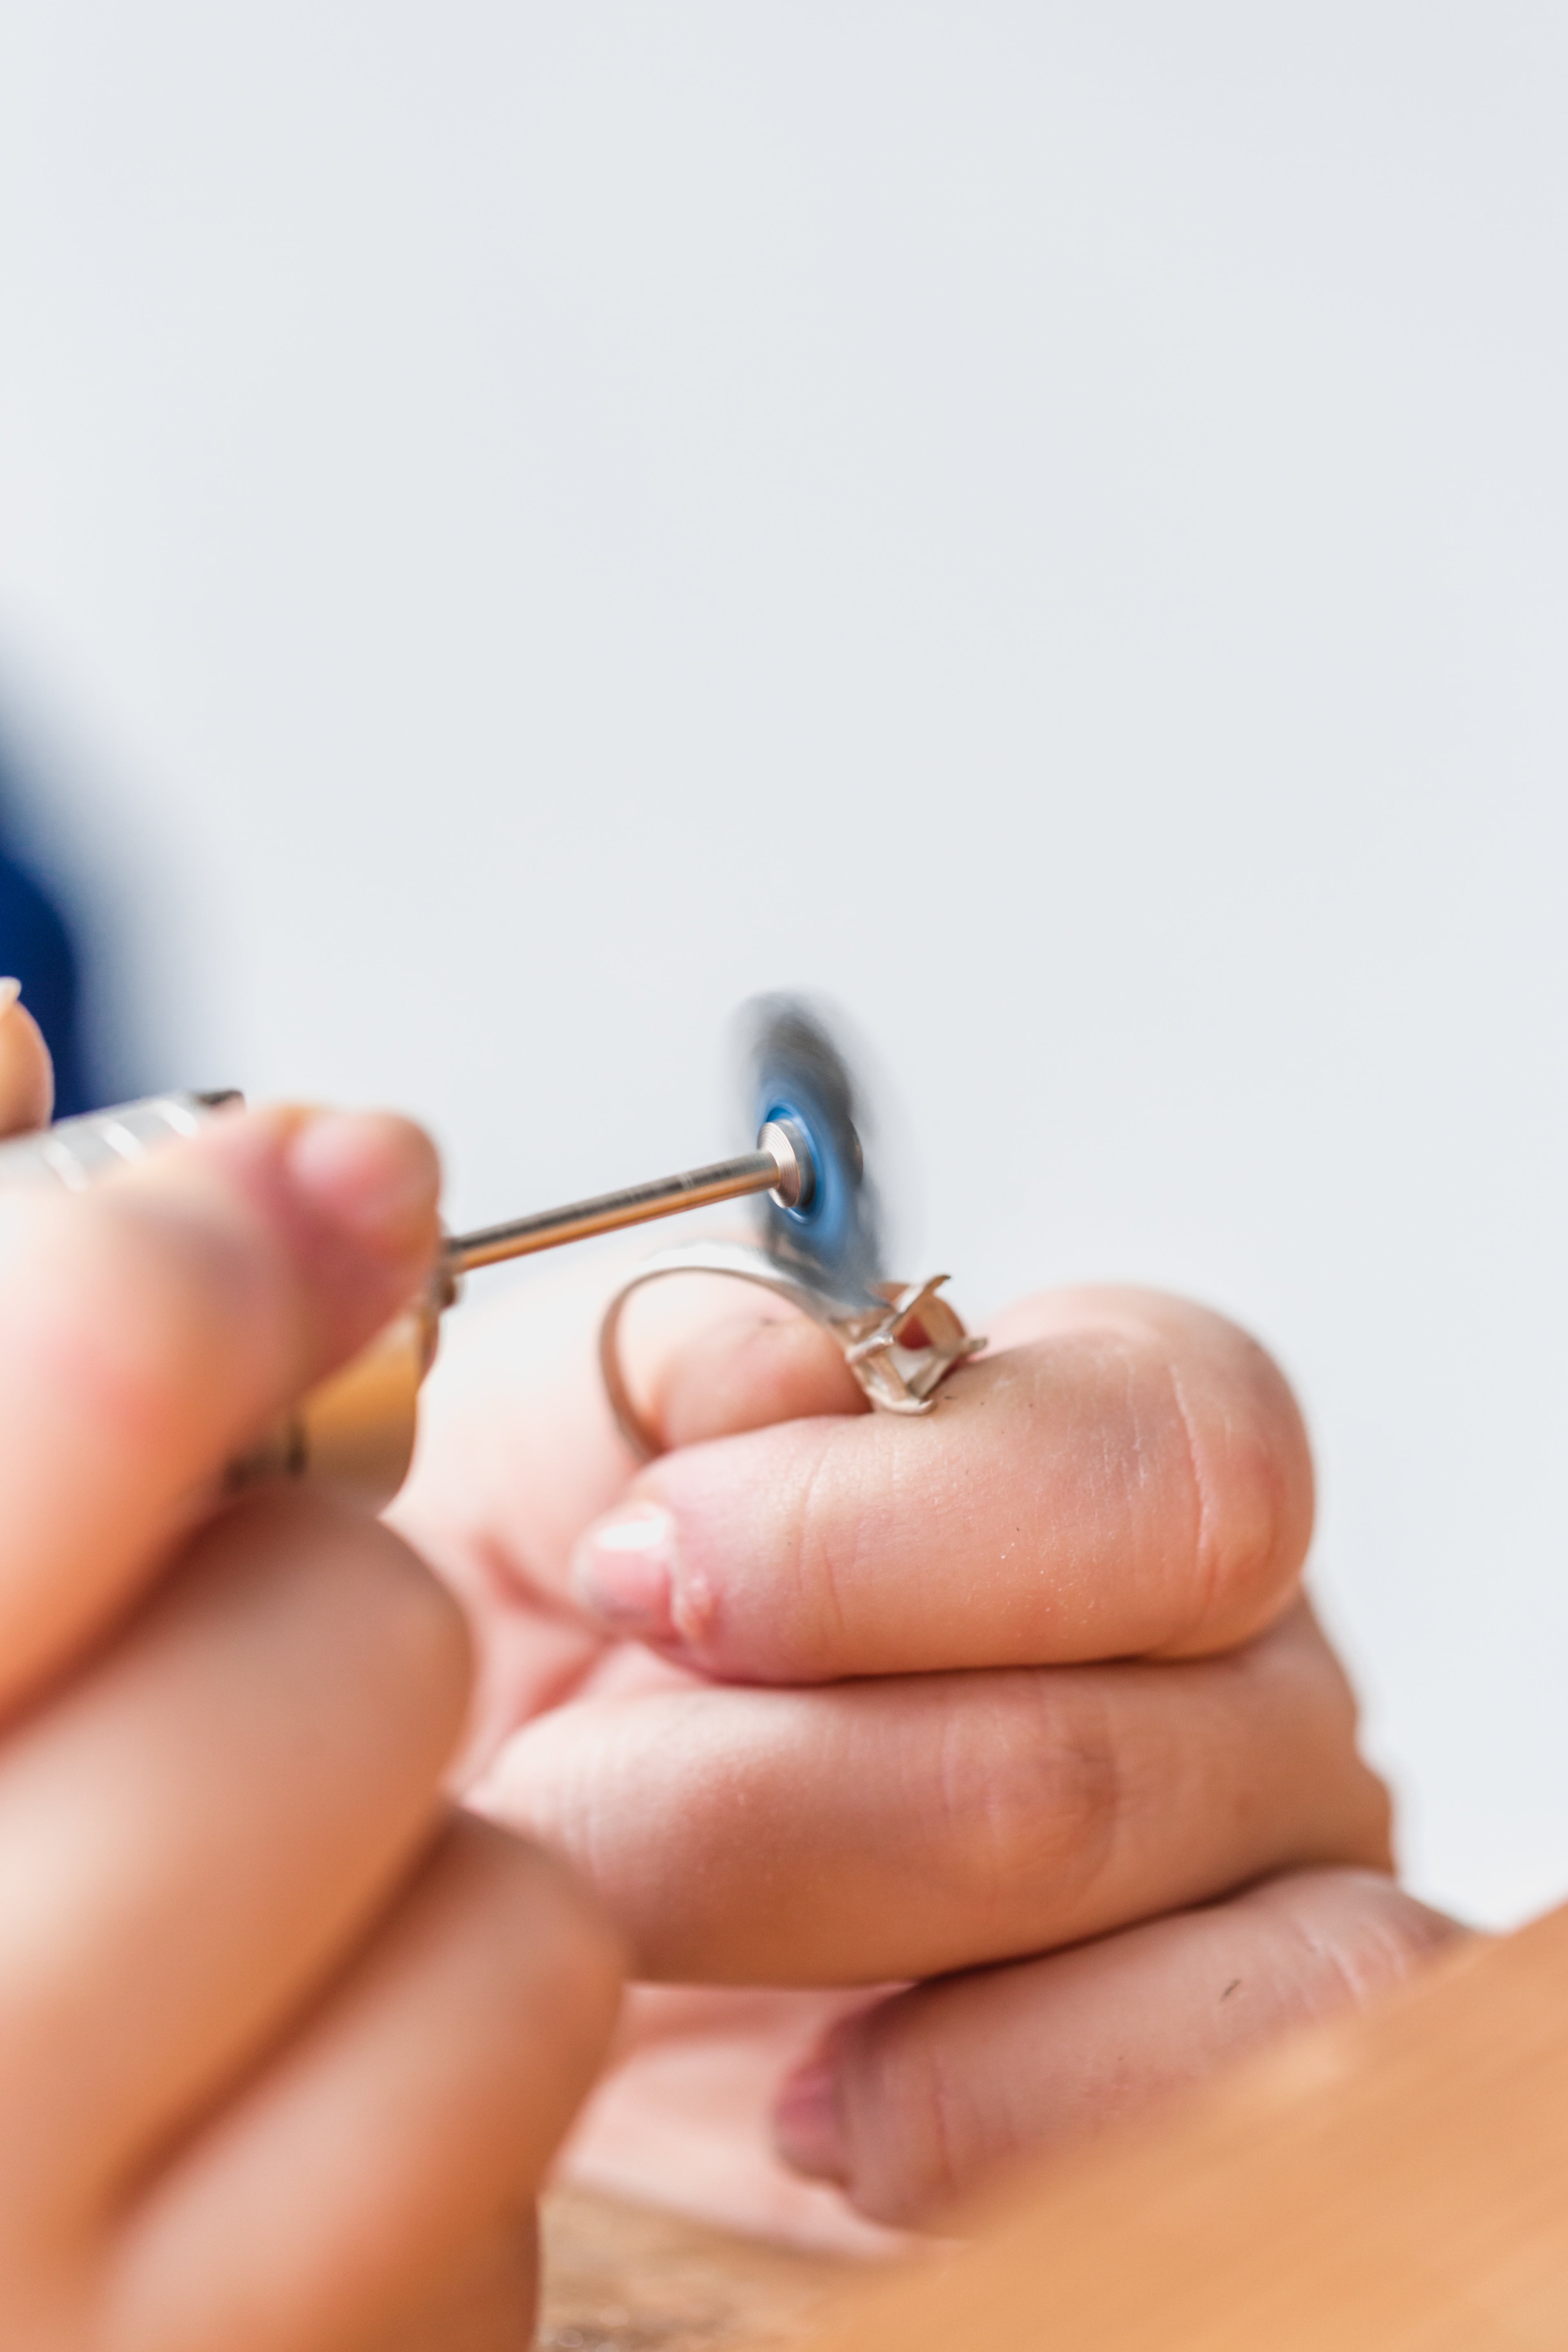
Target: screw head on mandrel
{"x":790,"y":1146}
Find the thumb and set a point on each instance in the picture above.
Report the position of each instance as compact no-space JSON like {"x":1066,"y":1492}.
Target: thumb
{"x":26,"y":1073}
{"x":153,"y":1326}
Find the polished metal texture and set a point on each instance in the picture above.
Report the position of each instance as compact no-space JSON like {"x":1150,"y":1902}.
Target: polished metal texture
{"x":899,"y":1352}
{"x":798,"y":1075}
{"x":778,"y":1165}
{"x":356,"y":1430}
{"x":791,"y":1149}
{"x":76,"y":1152}
{"x":821,"y":1242}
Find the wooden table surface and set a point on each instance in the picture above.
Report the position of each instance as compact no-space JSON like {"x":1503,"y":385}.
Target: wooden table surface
{"x":1394,"y":2180}
{"x":623,"y":2278}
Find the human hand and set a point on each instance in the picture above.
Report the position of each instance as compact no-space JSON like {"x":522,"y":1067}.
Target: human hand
{"x":1019,"y":1702}
{"x":285,"y":2046}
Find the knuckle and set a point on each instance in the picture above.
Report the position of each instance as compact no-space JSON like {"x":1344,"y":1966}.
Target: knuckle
{"x":822,"y":1563}
{"x":1189,"y":1458}
{"x":904,"y":2112}
{"x":1250,"y":1468}
{"x":1028,"y":1799}
{"x":1355,"y":1933}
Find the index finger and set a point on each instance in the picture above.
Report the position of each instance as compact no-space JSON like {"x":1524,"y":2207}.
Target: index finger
{"x":151,"y":1326}
{"x":1131,"y":1479}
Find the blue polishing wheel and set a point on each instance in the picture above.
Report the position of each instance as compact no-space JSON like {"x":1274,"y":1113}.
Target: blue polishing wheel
{"x":799,"y":1076}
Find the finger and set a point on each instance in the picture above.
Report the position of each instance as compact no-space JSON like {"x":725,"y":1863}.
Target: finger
{"x":1135,"y":1480}
{"x":483,"y":2302}
{"x":913,"y":2105}
{"x":707,"y":1357}
{"x":26,"y":1073}
{"x":198,"y":1827}
{"x":903,"y":1827}
{"x":409,"y":2121}
{"x":518,"y":1450}
{"x":517,"y":1453}
{"x":154,"y":1324}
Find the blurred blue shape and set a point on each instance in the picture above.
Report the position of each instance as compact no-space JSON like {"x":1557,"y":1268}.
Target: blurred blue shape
{"x":36,"y":947}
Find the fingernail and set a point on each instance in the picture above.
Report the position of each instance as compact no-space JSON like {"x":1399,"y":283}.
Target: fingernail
{"x":374,"y":1176}
{"x":806,"y":2129}
{"x":10,"y":990}
{"x":623,"y":1570}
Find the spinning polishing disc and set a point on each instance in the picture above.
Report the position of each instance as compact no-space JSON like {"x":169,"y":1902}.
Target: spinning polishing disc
{"x":799,"y":1077}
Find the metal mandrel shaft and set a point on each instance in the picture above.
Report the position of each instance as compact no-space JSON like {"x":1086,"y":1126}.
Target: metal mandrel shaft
{"x":774,"y":1167}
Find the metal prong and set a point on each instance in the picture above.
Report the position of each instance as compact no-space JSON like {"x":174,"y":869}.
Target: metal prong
{"x":781,"y":1164}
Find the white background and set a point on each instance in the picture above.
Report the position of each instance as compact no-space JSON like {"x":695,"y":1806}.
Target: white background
{"x":521,"y":525}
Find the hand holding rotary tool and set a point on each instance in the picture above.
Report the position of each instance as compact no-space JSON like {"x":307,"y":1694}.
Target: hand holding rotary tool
{"x":286,"y":2040}
{"x":1013,"y":1703}
{"x":820,"y":1250}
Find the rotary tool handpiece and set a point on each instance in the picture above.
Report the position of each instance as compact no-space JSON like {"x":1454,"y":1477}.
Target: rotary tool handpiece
{"x":356,"y":1430}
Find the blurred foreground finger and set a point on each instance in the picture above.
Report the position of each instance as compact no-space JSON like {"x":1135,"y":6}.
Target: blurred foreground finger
{"x":1134,"y":1480}
{"x":194,"y":1832}
{"x":906,"y":1826}
{"x":154,"y":1324}
{"x":26,"y":1073}
{"x":407,"y":2124}
{"x":482,"y":2301}
{"x":910,"y":2106}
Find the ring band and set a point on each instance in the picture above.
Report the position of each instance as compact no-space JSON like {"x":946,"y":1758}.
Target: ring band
{"x":899,"y":1352}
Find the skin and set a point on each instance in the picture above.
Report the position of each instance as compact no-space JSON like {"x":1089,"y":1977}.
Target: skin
{"x":1020,"y":1705}
{"x":286,"y":2044}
